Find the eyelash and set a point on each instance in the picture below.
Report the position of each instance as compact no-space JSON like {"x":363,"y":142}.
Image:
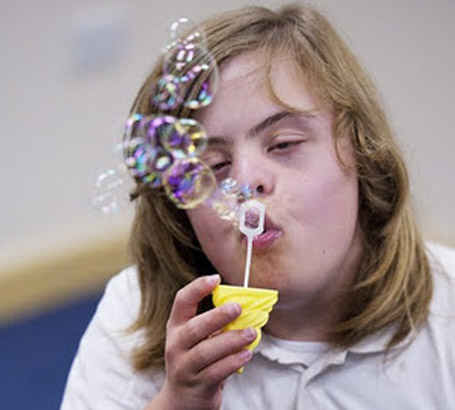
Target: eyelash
{"x":281,"y":147}
{"x":285,"y":145}
{"x":220,"y":165}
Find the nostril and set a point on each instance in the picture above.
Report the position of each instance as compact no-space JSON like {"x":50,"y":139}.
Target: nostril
{"x":260,"y":189}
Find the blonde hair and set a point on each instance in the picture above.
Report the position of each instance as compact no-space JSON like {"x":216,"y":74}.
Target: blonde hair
{"x":393,"y":285}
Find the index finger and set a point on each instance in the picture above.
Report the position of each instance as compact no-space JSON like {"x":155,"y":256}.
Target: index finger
{"x":187,"y":299}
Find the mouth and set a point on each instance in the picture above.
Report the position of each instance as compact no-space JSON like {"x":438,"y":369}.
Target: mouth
{"x":269,"y":236}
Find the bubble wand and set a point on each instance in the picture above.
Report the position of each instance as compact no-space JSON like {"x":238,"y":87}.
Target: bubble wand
{"x":257,"y":303}
{"x":251,"y":224}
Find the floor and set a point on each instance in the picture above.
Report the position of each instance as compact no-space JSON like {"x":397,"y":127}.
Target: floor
{"x":36,"y":355}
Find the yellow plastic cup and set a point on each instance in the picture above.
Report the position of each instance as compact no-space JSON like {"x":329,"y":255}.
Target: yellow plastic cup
{"x":256,"y":307}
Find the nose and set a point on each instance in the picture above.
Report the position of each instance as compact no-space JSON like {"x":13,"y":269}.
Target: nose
{"x":254,"y":170}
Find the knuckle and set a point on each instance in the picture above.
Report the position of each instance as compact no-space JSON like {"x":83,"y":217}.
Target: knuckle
{"x":176,"y":369}
{"x":173,"y":344}
{"x":170,"y":352}
{"x":211,"y":377}
{"x":191,"y":332}
{"x":179,"y":372}
{"x":180,"y":295}
{"x":199,"y":354}
{"x":169,"y":326}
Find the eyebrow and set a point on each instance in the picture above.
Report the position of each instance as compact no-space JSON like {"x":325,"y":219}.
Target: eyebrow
{"x":270,"y":121}
{"x":264,"y":124}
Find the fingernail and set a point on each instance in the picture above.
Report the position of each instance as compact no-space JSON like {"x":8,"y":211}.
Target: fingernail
{"x":232,"y":308}
{"x":246,"y":354}
{"x":249,"y":333}
{"x":213,"y":279}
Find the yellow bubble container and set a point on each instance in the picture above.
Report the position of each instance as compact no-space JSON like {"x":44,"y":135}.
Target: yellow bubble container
{"x":256,"y":307}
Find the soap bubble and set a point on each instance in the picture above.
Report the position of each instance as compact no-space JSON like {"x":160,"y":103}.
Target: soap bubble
{"x":132,"y":125}
{"x":153,"y":179}
{"x":189,"y":182}
{"x":197,"y":72}
{"x":139,"y":159}
{"x":246,"y":193}
{"x":142,"y":129}
{"x":137,"y":153}
{"x":168,"y":93}
{"x":156,"y":128}
{"x":227,"y":209}
{"x":162,"y":150}
{"x":184,"y":30}
{"x":200,"y":88}
{"x":108,"y":192}
{"x":147,"y":163}
{"x":225,"y":200}
{"x":185,"y":139}
{"x":162,"y":160}
{"x":229,"y":187}
{"x":228,"y":197}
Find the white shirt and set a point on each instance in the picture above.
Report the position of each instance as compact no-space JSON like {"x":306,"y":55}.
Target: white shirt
{"x":418,"y":374}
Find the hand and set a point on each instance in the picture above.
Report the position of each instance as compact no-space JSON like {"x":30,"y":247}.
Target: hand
{"x":199,"y":357}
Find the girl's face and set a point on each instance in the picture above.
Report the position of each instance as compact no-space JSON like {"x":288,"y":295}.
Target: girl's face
{"x":311,"y":244}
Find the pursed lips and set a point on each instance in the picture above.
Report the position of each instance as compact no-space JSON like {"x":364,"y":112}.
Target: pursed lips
{"x":268,"y":237}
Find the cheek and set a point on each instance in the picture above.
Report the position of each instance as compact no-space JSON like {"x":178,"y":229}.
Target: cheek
{"x":204,"y":221}
{"x":336,"y":198}
{"x":334,"y":186}
{"x":217,"y":239}
{"x":341,"y":190}
{"x":328,"y":202}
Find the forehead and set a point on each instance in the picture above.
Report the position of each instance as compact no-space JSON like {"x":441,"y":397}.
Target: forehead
{"x":249,"y":85}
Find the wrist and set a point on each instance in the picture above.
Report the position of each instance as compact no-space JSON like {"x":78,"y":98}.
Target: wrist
{"x":159,"y":402}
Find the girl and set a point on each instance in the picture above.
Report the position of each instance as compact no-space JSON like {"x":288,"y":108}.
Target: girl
{"x":365,"y":313}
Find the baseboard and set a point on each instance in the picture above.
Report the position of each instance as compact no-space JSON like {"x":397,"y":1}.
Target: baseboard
{"x":45,"y":281}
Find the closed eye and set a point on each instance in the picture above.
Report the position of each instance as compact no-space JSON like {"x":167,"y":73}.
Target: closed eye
{"x":217,"y":160}
{"x":285,"y":146}
{"x":220,"y":165}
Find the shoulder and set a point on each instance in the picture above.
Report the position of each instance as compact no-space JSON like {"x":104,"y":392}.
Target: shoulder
{"x":442,"y":258}
{"x":121,"y":299}
{"x":102,"y":373}
{"x":440,"y":328}
{"x":433,"y":351}
{"x":116,"y":312}
{"x":442,"y":262}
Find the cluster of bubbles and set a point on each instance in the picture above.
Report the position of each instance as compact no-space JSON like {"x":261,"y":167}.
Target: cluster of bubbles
{"x":163,"y":151}
{"x":107,"y":191}
{"x":227,"y":197}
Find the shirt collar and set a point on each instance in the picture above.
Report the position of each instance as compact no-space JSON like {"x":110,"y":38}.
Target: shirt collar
{"x":375,"y":343}
{"x":378,"y":341}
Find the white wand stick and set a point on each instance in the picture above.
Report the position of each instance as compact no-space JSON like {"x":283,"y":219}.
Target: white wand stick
{"x":252,"y":215}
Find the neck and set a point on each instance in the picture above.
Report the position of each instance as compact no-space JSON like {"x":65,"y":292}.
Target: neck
{"x":312,"y":316}
{"x":307,"y":322}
